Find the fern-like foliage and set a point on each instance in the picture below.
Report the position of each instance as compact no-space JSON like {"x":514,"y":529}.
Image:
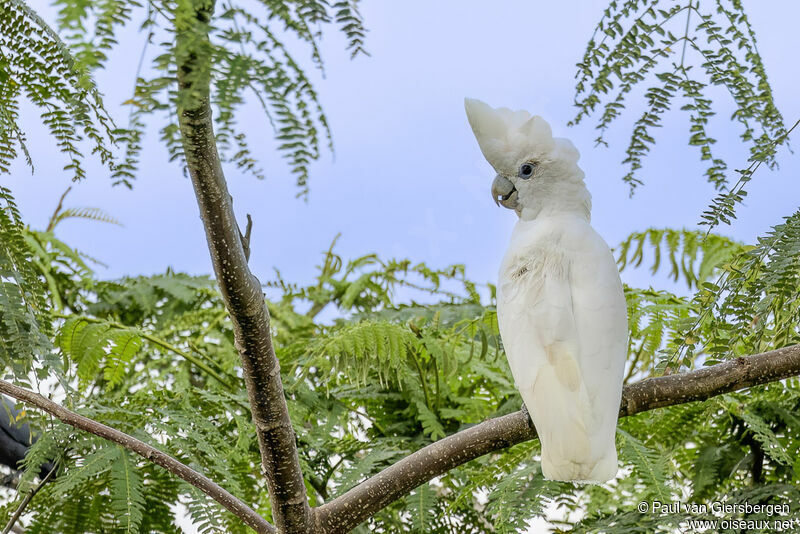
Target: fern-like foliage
{"x":689,"y":254}
{"x":421,"y":506}
{"x":24,"y":318}
{"x":248,"y":57}
{"x":98,"y":345}
{"x":723,"y":451}
{"x":657,"y":318}
{"x":654,"y":318}
{"x":94,"y":214}
{"x":752,"y":306}
{"x":37,"y":65}
{"x":384,"y":378}
{"x":684,"y":49}
{"x":65,"y":271}
{"x":722,"y":209}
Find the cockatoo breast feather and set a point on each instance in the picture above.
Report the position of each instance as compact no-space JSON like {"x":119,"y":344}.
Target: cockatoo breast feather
{"x":563,"y":322}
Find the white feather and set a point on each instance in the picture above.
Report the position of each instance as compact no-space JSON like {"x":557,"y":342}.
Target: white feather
{"x":507,"y":136}
{"x":563,"y":322}
{"x":560,"y":303}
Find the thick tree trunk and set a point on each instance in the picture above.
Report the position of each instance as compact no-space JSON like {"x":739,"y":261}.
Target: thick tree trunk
{"x":241,"y":290}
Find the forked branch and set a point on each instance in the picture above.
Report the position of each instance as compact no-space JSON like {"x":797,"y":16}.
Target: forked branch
{"x":241,"y":290}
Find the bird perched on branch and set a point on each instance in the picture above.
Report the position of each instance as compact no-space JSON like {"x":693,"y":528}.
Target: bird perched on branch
{"x":560,"y":304}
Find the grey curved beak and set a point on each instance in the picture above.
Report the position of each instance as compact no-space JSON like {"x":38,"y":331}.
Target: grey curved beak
{"x":503,"y":192}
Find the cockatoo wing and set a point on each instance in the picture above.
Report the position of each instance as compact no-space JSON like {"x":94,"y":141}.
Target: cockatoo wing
{"x":563,"y":322}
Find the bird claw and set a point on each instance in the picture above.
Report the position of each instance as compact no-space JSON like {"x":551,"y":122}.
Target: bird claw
{"x":524,"y":409}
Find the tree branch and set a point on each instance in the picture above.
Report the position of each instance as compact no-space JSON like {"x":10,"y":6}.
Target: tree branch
{"x":241,"y":290}
{"x":12,"y":522}
{"x":219,"y":494}
{"x":361,"y":502}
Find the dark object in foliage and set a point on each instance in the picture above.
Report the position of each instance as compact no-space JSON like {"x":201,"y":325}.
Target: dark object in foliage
{"x":16,"y":438}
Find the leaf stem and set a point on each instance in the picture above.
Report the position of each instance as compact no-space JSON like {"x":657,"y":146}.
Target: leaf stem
{"x":161,"y":343}
{"x":24,"y":504}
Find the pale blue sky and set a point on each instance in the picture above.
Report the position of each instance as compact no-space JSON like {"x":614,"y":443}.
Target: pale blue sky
{"x":408,"y":179}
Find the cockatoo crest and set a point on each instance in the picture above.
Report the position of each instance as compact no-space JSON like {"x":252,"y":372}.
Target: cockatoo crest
{"x":516,"y":141}
{"x":506,"y":137}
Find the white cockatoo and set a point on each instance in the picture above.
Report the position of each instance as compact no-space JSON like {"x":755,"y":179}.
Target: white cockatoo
{"x":560,"y":304}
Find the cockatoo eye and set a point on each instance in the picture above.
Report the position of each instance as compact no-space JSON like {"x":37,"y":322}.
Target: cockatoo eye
{"x":526,"y":170}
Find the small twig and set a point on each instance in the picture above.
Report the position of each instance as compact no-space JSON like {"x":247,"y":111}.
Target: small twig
{"x":422,"y":379}
{"x":230,"y":502}
{"x":686,"y":31}
{"x":28,"y":498}
{"x":637,"y":355}
{"x":757,"y":469}
{"x":246,"y":237}
{"x":319,"y":486}
{"x":54,"y":217}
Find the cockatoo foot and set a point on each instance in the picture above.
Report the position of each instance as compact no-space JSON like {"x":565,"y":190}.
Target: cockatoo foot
{"x":524,"y":409}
